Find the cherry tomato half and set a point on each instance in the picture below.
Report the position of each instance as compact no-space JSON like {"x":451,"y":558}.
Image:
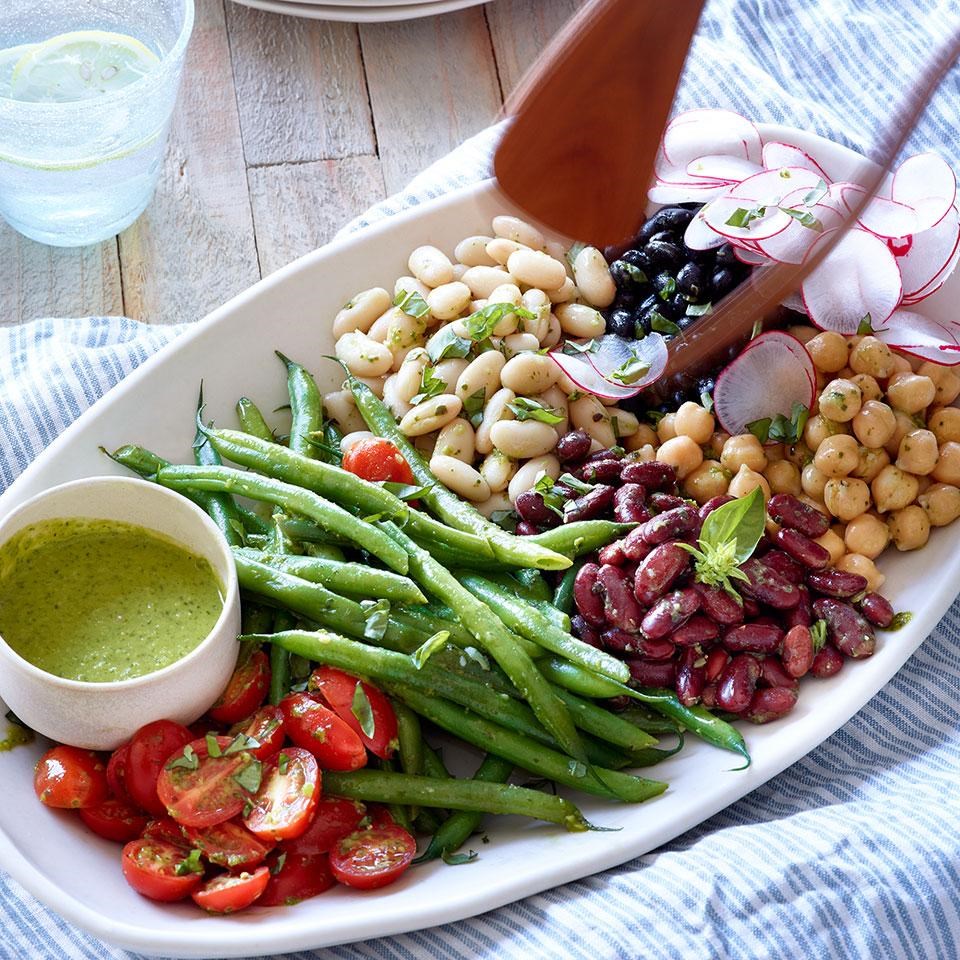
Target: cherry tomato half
{"x":150,"y":867}
{"x":199,"y":788}
{"x":228,"y":845}
{"x":117,"y":771}
{"x":333,"y":819}
{"x":150,"y":747}
{"x":168,"y":830}
{"x":231,"y":892}
{"x":295,"y":877}
{"x":69,"y":777}
{"x":284,"y":805}
{"x":115,"y":819}
{"x":266,"y":727}
{"x":372,"y":858}
{"x":245,"y":692}
{"x":316,"y":728}
{"x":338,"y":690}
{"x":377,"y":459}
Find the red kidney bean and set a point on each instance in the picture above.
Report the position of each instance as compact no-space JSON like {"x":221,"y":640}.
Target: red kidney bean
{"x":670,"y":612}
{"x":531,"y":507}
{"x":665,"y":501}
{"x":718,"y":605}
{"x":653,"y":673}
{"x":753,"y":638}
{"x":656,"y":649}
{"x":670,"y":525}
{"x":691,"y":677}
{"x":790,"y":512}
{"x":786,"y":566}
{"x":802,"y":548}
{"x":838,"y":584}
{"x":717,"y":660}
{"x":619,"y":703}
{"x":773,"y":674}
{"x":621,"y":607}
{"x":751,"y":608}
{"x":796,"y":652}
{"x":698,"y":629}
{"x":619,"y":641}
{"x":589,"y":506}
{"x":609,"y":454}
{"x":587,"y":596}
{"x":712,"y":505}
{"x":802,"y":613}
{"x":658,"y":571}
{"x":877,"y":610}
{"x":767,"y":586}
{"x":709,"y":696}
{"x":847,"y":630}
{"x":585,"y":631}
{"x":573,"y":446}
{"x":526,"y":529}
{"x":652,"y":474}
{"x":764,"y":546}
{"x":613,"y":553}
{"x":771,"y":703}
{"x":827,"y":662}
{"x":629,"y":504}
{"x":600,"y":471}
{"x":634,"y":546}
{"x":737,"y":683}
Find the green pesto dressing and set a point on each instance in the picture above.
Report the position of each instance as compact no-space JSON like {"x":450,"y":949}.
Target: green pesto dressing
{"x":100,"y":601}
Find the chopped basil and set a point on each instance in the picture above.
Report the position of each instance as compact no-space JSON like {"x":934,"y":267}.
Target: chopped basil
{"x":283,"y":763}
{"x":430,"y":646}
{"x":190,"y":864}
{"x":473,"y":407}
{"x":569,"y":480}
{"x":760,"y":428}
{"x":575,"y":250}
{"x":188,"y":760}
{"x":278,"y":866}
{"x":631,"y":370}
{"x":446,"y":344}
{"x":669,"y":289}
{"x":900,"y":620}
{"x":654,"y":416}
{"x":551,"y":499}
{"x":706,"y":400}
{"x":816,"y":194}
{"x":361,"y":709}
{"x":572,"y":347}
{"x":804,"y":217}
{"x":526,"y":409}
{"x":818,"y":633}
{"x":213,"y":747}
{"x":634,"y":272}
{"x":249,"y":775}
{"x":865,"y":327}
{"x":430,"y":385}
{"x":412,"y":304}
{"x":743,"y":217}
{"x":240,"y":743}
{"x":377,"y":613}
{"x":699,"y":309}
{"x":406,"y":491}
{"x":480,"y":325}
{"x":455,"y":859}
{"x":661,"y":324}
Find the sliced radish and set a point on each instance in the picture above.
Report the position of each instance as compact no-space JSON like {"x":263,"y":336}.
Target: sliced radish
{"x":767,"y":379}
{"x":793,"y":301}
{"x":612,"y":352}
{"x":926,"y":183}
{"x":794,"y":345}
{"x":859,"y":276}
{"x":767,"y":223}
{"x":668,"y":193}
{"x":922,"y":337}
{"x":770,"y":186}
{"x":886,"y":218}
{"x":792,"y":244}
{"x":748,"y":255}
{"x":698,"y":236}
{"x":928,"y":254}
{"x":722,"y":168}
{"x":583,"y":375}
{"x":699,"y":132}
{"x":777,"y":154}
{"x":938,"y":281}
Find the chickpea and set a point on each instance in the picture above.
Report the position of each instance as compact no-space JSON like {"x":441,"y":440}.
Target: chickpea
{"x":901,"y":364}
{"x":813,"y":481}
{"x":874,"y":425}
{"x":815,"y":503}
{"x":714,"y":446}
{"x":693,"y":421}
{"x":743,"y":450}
{"x":946,"y":382}
{"x":683,"y":453}
{"x":799,"y":454}
{"x":818,"y":428}
{"x":873,"y":357}
{"x":857,"y":563}
{"x":840,"y":400}
{"x":941,"y":501}
{"x":945,"y":424}
{"x":918,"y":452}
{"x":947,"y":469}
{"x":869,"y":388}
{"x":867,"y":535}
{"x":893,"y":489}
{"x":832,"y":542}
{"x":707,"y":481}
{"x":666,"y":427}
{"x":828,"y":351}
{"x":837,"y":456}
{"x":871,"y":463}
{"x":910,"y":392}
{"x":645,"y":435}
{"x":803,"y":332}
{"x":846,"y":497}
{"x":904,"y":425}
{"x":909,"y":527}
{"x":784,"y":477}
{"x":746,"y":481}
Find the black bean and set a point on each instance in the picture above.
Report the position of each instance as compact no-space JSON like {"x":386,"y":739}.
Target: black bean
{"x":664,"y":255}
{"x":669,"y":218}
{"x":626,"y":275}
{"x":622,"y":323}
{"x":722,"y":282}
{"x":638,"y":258}
{"x":725,"y":256}
{"x":690,"y":280}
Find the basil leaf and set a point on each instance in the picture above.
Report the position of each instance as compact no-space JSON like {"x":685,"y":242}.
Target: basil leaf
{"x":249,"y":776}
{"x":633,"y":272}
{"x":632,"y":369}
{"x":740,"y":522}
{"x":575,"y":250}
{"x":900,"y":620}
{"x":361,"y":709}
{"x":480,"y":325}
{"x":188,"y":760}
{"x":375,"y":624}
{"x":551,"y":499}
{"x":804,"y":217}
{"x":742,"y":217}
{"x":446,"y":343}
{"x":213,"y":747}
{"x":661,"y":324}
{"x":706,"y":400}
{"x":569,"y":480}
{"x":456,"y":859}
{"x":278,"y":865}
{"x":699,"y":309}
{"x":816,"y":194}
{"x":430,"y":646}
{"x":818,"y":633}
{"x":865,"y":327}
{"x":406,"y":491}
{"x":412,"y":304}
{"x":669,"y":289}
{"x":760,"y":428}
{"x":571,"y":347}
{"x":473,"y":406}
{"x":190,"y":864}
{"x":283,"y":763}
{"x":527,"y":409}
{"x":240,"y":743}
{"x":430,"y":385}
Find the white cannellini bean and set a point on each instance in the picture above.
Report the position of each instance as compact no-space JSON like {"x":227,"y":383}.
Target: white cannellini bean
{"x":506,"y":293}
{"x":538,"y":303}
{"x":405,"y":331}
{"x":399,"y":355}
{"x":627,"y":424}
{"x":536,"y":269}
{"x":529,"y":373}
{"x":409,"y":285}
{"x":554,"y":332}
{"x":362,"y":356}
{"x":374,"y":383}
{"x":456,"y":439}
{"x":530,"y":473}
{"x":559,"y":252}
{"x":556,"y":400}
{"x":520,"y":343}
{"x":472,"y":252}
{"x":522,"y":439}
{"x":360,"y":312}
{"x":449,"y":301}
{"x":513,"y":228}
{"x":460,"y":477}
{"x":497,"y":469}
{"x":482,"y":374}
{"x":495,"y":410}
{"x":497,"y":501}
{"x":588,"y":414}
{"x":340,"y":407}
{"x":450,"y":371}
{"x":482,"y":281}
{"x":381,"y":326}
{"x":395,"y":403}
{"x":459,"y":269}
{"x":431,"y":415}
{"x":352,"y":439}
{"x":592,"y":276}
{"x":410,"y":374}
{"x":579,"y":320}
{"x":565,"y":293}
{"x":501,"y":248}
{"x":430,"y":266}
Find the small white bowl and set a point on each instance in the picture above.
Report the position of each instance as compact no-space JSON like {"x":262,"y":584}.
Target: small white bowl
{"x":101,"y":716}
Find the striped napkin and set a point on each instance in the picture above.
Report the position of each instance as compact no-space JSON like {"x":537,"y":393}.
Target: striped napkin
{"x":852,"y":852}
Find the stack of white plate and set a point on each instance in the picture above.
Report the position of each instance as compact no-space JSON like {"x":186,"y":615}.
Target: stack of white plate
{"x":360,"y":11}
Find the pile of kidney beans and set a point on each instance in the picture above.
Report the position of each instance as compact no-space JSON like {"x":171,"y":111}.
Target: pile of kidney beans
{"x":638,"y":598}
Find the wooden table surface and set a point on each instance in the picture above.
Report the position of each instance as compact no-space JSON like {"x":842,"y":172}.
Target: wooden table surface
{"x":285,"y":129}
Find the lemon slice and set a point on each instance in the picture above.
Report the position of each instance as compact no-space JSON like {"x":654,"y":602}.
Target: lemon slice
{"x":80,"y":66}
{"x":8,"y":60}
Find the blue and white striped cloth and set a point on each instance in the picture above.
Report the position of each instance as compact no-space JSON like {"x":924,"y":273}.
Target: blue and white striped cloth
{"x":852,"y":852}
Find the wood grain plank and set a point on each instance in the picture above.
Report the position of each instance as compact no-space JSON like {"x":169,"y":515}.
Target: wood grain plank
{"x":300,"y":87}
{"x":194,"y":247}
{"x":41,"y":281}
{"x":519,"y":31}
{"x":299,"y":207}
{"x":432,"y":83}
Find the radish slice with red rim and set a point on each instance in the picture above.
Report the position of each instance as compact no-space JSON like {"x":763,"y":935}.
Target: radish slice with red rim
{"x":586,"y":378}
{"x":769,"y":186}
{"x":886,"y":218}
{"x":669,"y":193}
{"x":777,"y":154}
{"x":722,"y":168}
{"x":859,"y":276}
{"x":698,"y":236}
{"x":755,"y":222}
{"x":793,"y":301}
{"x":792,"y":244}
{"x":928,"y":253}
{"x":623,"y":361}
{"x":773,"y":374}
{"x":926,"y":183}
{"x":748,"y":255}
{"x":922,"y":337}
{"x":698,"y":132}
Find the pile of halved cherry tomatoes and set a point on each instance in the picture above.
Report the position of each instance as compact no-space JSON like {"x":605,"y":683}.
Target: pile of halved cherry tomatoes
{"x":231,"y":811}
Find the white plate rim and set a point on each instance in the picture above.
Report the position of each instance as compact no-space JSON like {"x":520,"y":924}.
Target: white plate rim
{"x":383,"y":13}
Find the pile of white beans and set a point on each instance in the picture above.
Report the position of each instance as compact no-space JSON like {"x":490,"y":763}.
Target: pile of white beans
{"x":493,"y":462}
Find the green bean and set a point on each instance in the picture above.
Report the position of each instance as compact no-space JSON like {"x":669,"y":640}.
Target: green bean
{"x":255,"y":618}
{"x":527,"y":584}
{"x":379,"y":787}
{"x":399,"y":811}
{"x":604,"y":724}
{"x":284,"y":495}
{"x":306,"y":409}
{"x":431,"y":820}
{"x":563,"y":595}
{"x":532,"y":624}
{"x":280,"y":659}
{"x":252,"y":420}
{"x":410,"y":737}
{"x":456,"y":829}
{"x":433,"y":765}
{"x":651,"y":756}
{"x":649,"y":720}
{"x":442,"y":502}
{"x":584,"y":536}
{"x":332,"y":435}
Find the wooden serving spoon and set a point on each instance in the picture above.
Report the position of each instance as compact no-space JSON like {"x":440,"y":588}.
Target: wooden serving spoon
{"x":578,"y":155}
